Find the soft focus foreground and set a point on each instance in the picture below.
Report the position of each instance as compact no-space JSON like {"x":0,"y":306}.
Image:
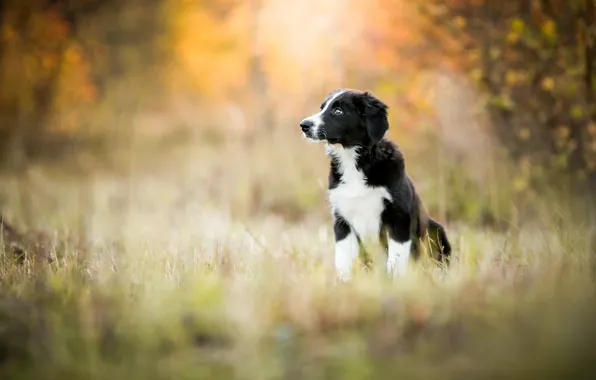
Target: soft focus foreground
{"x":163,"y":217}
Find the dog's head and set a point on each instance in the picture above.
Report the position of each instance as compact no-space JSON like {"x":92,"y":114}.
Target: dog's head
{"x":349,"y":118}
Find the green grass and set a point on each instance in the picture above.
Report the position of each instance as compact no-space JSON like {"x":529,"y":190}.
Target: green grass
{"x":187,"y":276}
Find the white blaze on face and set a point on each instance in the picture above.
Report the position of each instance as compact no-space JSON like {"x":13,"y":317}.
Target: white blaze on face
{"x":317,"y":119}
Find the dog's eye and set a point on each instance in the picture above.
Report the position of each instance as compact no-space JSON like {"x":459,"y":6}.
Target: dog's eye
{"x":337,"y":111}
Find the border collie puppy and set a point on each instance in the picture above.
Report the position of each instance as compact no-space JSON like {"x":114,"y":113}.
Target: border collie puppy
{"x":370,"y":194}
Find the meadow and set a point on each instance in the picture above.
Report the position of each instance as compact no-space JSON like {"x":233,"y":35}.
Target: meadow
{"x":195,"y":260}
{"x":148,"y":232}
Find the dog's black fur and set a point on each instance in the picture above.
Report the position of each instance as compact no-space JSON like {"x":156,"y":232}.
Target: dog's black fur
{"x":359,"y":119}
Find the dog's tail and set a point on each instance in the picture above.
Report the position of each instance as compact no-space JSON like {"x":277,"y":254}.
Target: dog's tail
{"x":439,"y":235}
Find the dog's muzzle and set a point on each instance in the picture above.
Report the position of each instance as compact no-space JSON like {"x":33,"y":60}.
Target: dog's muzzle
{"x":307,"y":127}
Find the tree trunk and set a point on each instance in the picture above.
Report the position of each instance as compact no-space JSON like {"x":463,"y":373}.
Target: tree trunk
{"x":589,"y":78}
{"x":259,"y":107}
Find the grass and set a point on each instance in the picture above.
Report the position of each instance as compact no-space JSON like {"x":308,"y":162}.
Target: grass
{"x":199,"y":263}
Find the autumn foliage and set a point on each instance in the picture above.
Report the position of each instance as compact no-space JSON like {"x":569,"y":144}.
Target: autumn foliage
{"x":535,"y":63}
{"x":58,"y":60}
{"x":531,"y":62}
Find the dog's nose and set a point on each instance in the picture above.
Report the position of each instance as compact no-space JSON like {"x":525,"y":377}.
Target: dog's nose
{"x":306,"y":125}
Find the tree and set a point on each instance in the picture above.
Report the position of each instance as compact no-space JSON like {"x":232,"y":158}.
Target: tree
{"x":64,"y":55}
{"x":534,"y":62}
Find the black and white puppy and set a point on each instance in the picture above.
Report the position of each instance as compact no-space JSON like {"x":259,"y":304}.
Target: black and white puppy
{"x":370,"y":194}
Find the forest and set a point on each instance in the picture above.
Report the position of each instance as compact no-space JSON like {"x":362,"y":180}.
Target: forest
{"x":147,"y":232}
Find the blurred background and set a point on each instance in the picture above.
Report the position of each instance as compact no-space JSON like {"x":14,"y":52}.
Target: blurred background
{"x":147,"y":230}
{"x":492,"y":103}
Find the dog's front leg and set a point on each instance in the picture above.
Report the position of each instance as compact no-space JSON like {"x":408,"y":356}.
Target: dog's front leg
{"x":346,"y":248}
{"x":399,"y":246}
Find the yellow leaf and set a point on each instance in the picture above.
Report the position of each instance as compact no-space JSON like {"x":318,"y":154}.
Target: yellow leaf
{"x":524,"y":134}
{"x":476,"y":74}
{"x":548,"y":83}
{"x":514,"y":77}
{"x":503,"y":102}
{"x":460,"y":22}
{"x":512,"y":37}
{"x":548,"y":29}
{"x":517,"y":25}
{"x":386,"y":88}
{"x":577,"y":112}
{"x":520,"y":184}
{"x":494,"y":52}
{"x":561,"y":161}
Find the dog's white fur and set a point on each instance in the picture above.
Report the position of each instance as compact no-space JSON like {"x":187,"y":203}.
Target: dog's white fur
{"x":346,"y":251}
{"x":398,"y":257}
{"x":361,"y":206}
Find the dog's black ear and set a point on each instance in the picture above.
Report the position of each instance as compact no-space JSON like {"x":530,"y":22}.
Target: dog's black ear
{"x":374,"y":113}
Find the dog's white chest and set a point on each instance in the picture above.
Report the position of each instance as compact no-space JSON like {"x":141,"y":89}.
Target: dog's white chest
{"x":360,"y":205}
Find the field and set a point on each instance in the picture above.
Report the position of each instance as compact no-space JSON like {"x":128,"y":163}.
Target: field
{"x":197,"y":261}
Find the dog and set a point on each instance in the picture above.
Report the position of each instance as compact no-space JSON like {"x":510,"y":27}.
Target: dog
{"x":370,"y":194}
